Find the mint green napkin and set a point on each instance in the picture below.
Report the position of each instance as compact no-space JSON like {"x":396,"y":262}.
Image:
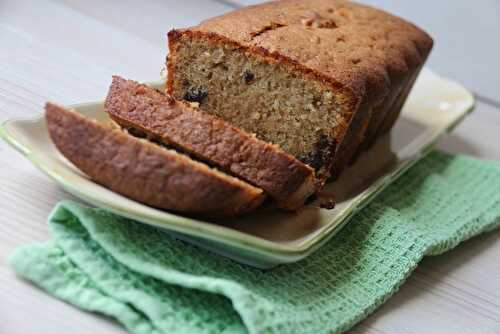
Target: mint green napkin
{"x":152,"y":283}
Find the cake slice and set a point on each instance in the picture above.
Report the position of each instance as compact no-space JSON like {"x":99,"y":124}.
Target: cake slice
{"x":146,"y":172}
{"x":149,"y":112}
{"x":312,"y":76}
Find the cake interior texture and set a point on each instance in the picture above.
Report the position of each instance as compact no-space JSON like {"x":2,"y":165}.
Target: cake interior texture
{"x":261,"y":95}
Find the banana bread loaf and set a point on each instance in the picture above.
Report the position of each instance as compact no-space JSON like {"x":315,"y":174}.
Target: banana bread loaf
{"x":145,"y":171}
{"x":159,"y":117}
{"x":312,"y":76}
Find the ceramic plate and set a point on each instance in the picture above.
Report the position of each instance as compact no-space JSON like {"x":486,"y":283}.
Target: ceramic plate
{"x":266,"y":239}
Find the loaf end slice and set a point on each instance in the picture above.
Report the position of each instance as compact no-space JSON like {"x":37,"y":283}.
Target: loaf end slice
{"x":146,"y":172}
{"x":149,"y":112}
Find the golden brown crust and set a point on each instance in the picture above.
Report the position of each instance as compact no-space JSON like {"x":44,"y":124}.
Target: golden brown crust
{"x":211,"y":139}
{"x":395,"y":109}
{"x":352,"y":139}
{"x":364,"y":51}
{"x":378,"y":115}
{"x":146,"y":172}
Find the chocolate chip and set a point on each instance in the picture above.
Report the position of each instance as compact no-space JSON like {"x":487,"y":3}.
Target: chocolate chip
{"x":248,"y":76}
{"x":195,"y":94}
{"x":328,"y":204}
{"x":323,"y":150}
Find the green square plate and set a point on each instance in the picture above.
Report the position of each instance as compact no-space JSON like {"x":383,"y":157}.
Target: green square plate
{"x":266,"y":239}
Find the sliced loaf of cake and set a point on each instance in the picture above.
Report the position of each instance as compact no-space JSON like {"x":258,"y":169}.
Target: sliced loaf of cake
{"x":146,"y":172}
{"x":148,"y":112}
{"x":313,"y":76}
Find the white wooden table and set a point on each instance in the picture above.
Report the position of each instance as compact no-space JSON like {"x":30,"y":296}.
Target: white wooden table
{"x":67,"y":50}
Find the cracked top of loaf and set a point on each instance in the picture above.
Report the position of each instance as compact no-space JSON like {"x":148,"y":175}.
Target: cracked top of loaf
{"x":358,"y":47}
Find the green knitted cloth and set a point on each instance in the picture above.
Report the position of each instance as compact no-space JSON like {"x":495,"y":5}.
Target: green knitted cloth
{"x":152,"y":283}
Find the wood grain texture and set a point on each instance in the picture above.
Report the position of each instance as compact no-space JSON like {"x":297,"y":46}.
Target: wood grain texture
{"x":66,"y":51}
